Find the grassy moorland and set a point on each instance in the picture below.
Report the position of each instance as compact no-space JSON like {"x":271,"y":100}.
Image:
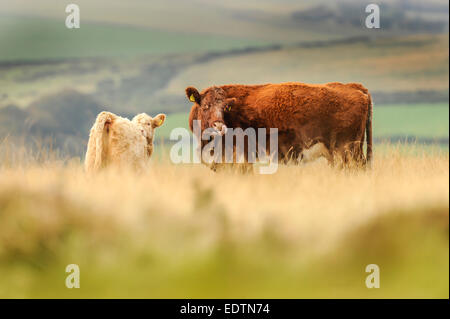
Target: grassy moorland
{"x":394,"y":64}
{"x":184,"y":231}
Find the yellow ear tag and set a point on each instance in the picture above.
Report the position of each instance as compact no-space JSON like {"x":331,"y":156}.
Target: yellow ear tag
{"x":192,"y":98}
{"x":160,"y":122}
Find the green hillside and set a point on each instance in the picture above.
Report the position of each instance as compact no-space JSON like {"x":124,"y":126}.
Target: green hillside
{"x":30,"y":38}
{"x":416,"y":120}
{"x":414,"y":63}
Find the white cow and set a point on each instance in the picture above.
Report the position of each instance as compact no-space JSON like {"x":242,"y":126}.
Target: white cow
{"x":117,"y":141}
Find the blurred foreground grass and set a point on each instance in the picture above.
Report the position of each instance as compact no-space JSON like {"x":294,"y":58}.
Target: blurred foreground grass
{"x":184,"y":231}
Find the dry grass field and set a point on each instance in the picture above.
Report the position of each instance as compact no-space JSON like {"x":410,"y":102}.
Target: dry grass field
{"x":184,"y":231}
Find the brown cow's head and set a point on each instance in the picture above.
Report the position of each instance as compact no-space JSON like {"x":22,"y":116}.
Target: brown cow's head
{"x":209,"y":107}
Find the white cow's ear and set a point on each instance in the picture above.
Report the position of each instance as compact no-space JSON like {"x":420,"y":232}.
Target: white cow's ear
{"x":158,"y":120}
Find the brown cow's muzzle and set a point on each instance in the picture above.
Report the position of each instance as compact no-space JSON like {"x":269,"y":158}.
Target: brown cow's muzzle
{"x":220,"y":127}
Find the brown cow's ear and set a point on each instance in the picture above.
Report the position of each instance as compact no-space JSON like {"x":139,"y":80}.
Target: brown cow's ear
{"x":193,"y":95}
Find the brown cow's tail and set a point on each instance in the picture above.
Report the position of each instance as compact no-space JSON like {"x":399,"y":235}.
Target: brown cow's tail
{"x":98,"y":141}
{"x":369,"y":155}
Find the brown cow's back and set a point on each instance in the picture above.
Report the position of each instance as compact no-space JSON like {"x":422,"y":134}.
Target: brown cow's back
{"x":277,"y":103}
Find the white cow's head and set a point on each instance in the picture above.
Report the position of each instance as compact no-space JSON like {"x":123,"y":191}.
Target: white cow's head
{"x":148,"y":124}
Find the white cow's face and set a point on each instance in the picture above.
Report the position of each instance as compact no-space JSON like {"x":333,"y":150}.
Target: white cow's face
{"x":148,"y":124}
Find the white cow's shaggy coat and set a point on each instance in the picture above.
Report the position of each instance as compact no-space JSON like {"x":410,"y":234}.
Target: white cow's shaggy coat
{"x":117,"y":141}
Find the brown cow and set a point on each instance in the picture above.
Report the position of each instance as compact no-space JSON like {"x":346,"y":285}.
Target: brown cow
{"x":334,"y":114}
